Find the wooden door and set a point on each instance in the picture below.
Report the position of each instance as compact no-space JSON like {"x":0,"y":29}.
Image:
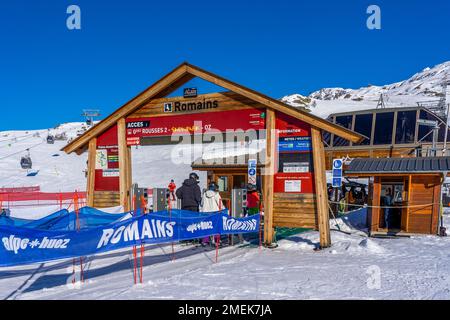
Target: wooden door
{"x":423,"y":204}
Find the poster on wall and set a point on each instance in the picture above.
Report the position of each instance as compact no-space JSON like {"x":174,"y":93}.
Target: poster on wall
{"x":292,"y":186}
{"x":108,"y":173}
{"x":197,"y":123}
{"x":295,"y":167}
{"x":101,"y":159}
{"x":294,"y":144}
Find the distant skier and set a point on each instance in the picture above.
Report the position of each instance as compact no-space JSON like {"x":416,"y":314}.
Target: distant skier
{"x":190,"y":193}
{"x":172,"y":187}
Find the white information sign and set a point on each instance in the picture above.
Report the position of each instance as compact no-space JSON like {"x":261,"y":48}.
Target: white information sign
{"x":292,"y":186}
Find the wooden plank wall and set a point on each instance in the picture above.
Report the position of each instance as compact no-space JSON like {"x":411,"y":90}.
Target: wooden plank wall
{"x":295,"y":210}
{"x":424,"y":190}
{"x":105,"y":199}
{"x":374,"y":203}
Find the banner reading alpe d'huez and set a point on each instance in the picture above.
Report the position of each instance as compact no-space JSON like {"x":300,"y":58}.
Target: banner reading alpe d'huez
{"x":24,"y":245}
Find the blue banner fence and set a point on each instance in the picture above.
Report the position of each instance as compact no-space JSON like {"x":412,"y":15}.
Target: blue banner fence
{"x":57,"y":236}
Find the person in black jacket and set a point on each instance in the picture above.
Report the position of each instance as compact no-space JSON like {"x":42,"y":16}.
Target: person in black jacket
{"x":190,"y":193}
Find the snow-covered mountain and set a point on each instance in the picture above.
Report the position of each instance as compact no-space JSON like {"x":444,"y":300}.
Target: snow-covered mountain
{"x":423,"y":86}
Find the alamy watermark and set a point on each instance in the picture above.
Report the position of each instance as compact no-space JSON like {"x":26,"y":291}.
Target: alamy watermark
{"x":374,"y":20}
{"x":73,"y":21}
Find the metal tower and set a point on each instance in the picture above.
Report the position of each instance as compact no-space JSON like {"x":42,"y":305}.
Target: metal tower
{"x":90,"y":114}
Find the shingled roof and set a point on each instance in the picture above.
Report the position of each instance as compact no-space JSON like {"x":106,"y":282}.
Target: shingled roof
{"x":399,"y":165}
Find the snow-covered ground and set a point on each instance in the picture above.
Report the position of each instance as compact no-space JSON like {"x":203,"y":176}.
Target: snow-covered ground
{"x":355,"y":267}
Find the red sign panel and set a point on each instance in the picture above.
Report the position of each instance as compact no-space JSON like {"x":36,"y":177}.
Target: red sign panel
{"x":296,"y":175}
{"x":288,"y":126}
{"x":198,"y":123}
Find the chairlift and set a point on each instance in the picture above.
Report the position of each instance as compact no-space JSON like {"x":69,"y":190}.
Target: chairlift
{"x":50,"y":139}
{"x":26,"y":163}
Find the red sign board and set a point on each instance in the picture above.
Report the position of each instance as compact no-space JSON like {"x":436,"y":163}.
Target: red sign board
{"x":288,"y":126}
{"x":198,"y":123}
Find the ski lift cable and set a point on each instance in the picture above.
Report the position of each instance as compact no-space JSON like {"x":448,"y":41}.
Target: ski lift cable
{"x":18,"y":152}
{"x":14,"y":142}
{"x":23,"y":136}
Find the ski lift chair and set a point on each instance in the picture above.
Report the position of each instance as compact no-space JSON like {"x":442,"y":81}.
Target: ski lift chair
{"x":50,"y":140}
{"x":26,"y":162}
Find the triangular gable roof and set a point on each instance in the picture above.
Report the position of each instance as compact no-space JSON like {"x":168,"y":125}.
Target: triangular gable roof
{"x":184,"y":73}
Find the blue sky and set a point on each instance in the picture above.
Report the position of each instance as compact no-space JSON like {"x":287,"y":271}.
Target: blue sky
{"x":49,"y":73}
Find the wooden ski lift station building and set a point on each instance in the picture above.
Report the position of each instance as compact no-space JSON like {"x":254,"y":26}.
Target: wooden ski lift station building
{"x":291,"y":171}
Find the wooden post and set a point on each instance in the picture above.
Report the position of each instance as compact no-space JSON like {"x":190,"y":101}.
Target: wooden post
{"x":91,"y":172}
{"x":268,"y":177}
{"x":321,"y":187}
{"x":124,"y":165}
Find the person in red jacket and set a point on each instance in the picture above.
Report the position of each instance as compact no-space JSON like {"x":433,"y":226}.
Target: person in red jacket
{"x":253,"y":199}
{"x":172,"y":187}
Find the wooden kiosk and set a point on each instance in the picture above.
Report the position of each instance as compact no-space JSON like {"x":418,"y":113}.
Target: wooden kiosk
{"x":415,"y":188}
{"x":291,"y":198}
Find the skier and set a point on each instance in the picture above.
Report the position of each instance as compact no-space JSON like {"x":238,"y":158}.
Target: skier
{"x":190,"y":193}
{"x":253,"y":199}
{"x":211,"y":202}
{"x":388,"y":201}
{"x":172,"y":186}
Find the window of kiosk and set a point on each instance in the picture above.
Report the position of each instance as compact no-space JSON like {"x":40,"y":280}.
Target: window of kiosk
{"x":222,"y":182}
{"x":238,"y":181}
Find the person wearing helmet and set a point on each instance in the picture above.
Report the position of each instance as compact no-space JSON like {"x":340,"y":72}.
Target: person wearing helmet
{"x":253,"y":199}
{"x":172,"y":187}
{"x":211,"y":202}
{"x":190,"y":193}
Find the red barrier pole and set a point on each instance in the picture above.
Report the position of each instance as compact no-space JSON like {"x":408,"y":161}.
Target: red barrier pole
{"x":73,"y":270}
{"x":143,"y":208}
{"x":135,"y":262}
{"x":230,"y":237}
{"x":82,"y":272}
{"x":260,"y":229}
{"x":218,"y":237}
{"x":170,"y":220}
{"x":134,"y":247}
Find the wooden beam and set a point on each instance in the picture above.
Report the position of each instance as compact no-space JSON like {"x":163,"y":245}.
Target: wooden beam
{"x":268,"y":176}
{"x":127,"y":108}
{"x":320,"y":180}
{"x":124,"y":165}
{"x":91,"y":172}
